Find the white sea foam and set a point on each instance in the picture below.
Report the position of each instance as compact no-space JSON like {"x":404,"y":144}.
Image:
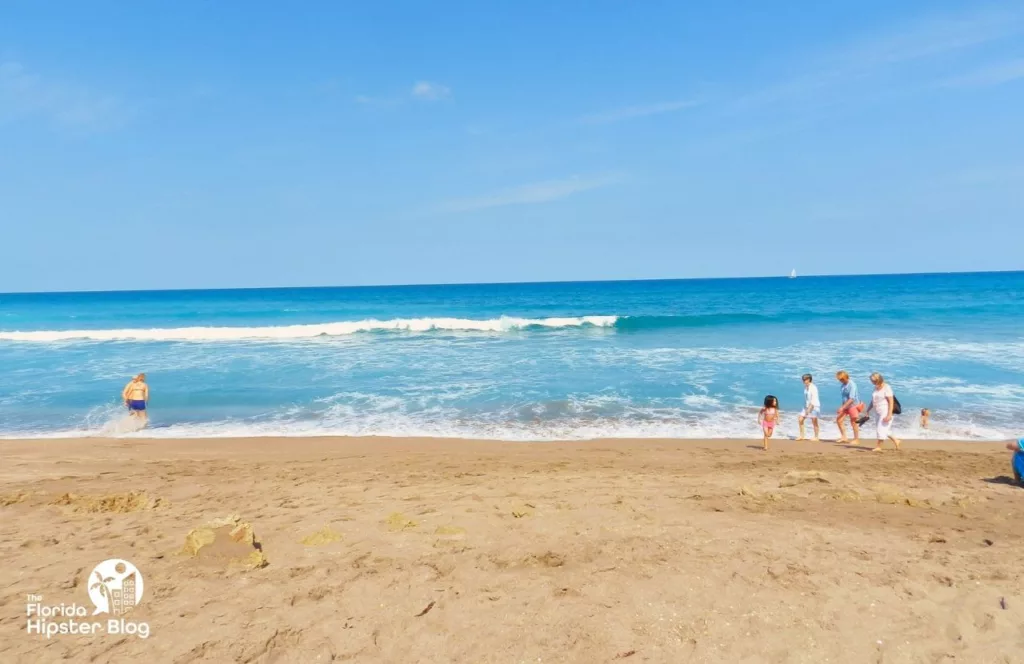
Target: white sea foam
{"x":701,"y":401}
{"x":960,"y":389}
{"x":577,"y":419}
{"x":706,"y":428}
{"x":291,"y":332}
{"x":112,"y":420}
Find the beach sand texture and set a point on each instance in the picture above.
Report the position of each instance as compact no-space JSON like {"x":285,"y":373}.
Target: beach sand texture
{"x":381,"y":550}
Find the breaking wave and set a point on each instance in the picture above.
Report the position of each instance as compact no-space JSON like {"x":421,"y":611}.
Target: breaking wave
{"x":310,"y":331}
{"x":624,"y":324}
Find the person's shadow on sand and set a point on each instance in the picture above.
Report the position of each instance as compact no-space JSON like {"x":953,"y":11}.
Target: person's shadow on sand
{"x":1003,"y":479}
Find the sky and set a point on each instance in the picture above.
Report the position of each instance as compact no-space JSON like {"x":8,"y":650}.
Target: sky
{"x":246,"y":144}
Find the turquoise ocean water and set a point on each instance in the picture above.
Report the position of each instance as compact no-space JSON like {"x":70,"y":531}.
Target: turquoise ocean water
{"x":686,"y":359}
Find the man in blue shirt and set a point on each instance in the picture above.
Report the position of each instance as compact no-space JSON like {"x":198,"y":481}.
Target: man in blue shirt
{"x":851,"y":407}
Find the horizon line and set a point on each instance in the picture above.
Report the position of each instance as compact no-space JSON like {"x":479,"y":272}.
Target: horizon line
{"x":507,"y":283}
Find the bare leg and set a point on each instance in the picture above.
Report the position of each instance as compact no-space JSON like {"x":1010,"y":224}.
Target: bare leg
{"x":896,"y":442}
{"x":764,"y":439}
{"x":800,"y":423}
{"x":817,"y":431}
{"x":856,"y":429}
{"x":842,"y":431}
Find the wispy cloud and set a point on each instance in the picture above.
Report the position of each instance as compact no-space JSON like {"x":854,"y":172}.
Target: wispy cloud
{"x":851,"y":68}
{"x":539,"y":192}
{"x":25,"y":94}
{"x":933,"y":36}
{"x":429,"y":91}
{"x":630,"y":112}
{"x":420,"y":91}
{"x":993,"y":74}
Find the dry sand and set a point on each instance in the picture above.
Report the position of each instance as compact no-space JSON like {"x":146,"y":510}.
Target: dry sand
{"x":378,"y":550}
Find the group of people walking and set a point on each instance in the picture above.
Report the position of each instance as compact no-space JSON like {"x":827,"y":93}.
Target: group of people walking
{"x":882,"y":403}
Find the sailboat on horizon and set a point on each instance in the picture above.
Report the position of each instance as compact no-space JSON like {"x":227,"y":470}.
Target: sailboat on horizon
{"x":792,"y":275}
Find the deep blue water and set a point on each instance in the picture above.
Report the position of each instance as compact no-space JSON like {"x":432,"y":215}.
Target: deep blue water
{"x":688,"y":358}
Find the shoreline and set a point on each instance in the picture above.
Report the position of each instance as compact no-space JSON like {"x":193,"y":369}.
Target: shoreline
{"x":726,"y":442}
{"x":426,"y":550}
{"x":299,"y":447}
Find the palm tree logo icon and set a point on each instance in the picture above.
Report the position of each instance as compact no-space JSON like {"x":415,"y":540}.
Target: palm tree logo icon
{"x":115,"y":587}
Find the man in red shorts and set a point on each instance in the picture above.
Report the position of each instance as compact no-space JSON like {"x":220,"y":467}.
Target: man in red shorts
{"x":851,"y":407}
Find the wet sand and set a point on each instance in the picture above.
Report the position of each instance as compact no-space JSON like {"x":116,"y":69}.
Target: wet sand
{"x":381,"y":550}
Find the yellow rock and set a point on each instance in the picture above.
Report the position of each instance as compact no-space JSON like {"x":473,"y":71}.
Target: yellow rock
{"x":453,"y":532}
{"x":12,"y":498}
{"x":133,"y":501}
{"x":398,"y":521}
{"x":323,"y":536}
{"x":520,"y":512}
{"x":890,"y":497}
{"x":227,"y":541}
{"x":197,"y":539}
{"x":255,"y":560}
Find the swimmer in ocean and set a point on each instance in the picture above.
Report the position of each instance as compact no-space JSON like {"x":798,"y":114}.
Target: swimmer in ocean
{"x":136,"y":396}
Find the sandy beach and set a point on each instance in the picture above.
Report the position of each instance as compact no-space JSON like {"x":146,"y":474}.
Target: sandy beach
{"x":389,"y":550}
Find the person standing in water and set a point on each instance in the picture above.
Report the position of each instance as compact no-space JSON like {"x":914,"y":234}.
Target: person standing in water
{"x":136,"y":396}
{"x":812,"y":407}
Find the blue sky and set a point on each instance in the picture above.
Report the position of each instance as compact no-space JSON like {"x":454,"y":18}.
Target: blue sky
{"x":198,"y":144}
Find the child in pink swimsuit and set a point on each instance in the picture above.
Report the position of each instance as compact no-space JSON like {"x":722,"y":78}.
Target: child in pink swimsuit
{"x":768,"y":418}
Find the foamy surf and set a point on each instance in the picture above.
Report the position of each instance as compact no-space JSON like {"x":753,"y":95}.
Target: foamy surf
{"x":310,"y":331}
{"x":122,"y":425}
{"x":731,"y":423}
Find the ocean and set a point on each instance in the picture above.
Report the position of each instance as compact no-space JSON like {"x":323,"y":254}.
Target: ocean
{"x":542,"y":361}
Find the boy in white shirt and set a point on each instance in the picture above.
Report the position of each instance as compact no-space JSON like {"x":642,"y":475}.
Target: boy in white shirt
{"x":812,"y":407}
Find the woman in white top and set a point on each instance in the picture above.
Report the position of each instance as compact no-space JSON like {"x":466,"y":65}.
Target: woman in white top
{"x":882,"y":404}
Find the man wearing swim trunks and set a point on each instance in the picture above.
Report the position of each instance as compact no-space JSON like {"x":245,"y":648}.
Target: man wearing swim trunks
{"x":850,"y":407}
{"x":136,"y":396}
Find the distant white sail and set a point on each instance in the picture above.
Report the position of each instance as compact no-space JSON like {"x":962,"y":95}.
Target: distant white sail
{"x":792,"y":275}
